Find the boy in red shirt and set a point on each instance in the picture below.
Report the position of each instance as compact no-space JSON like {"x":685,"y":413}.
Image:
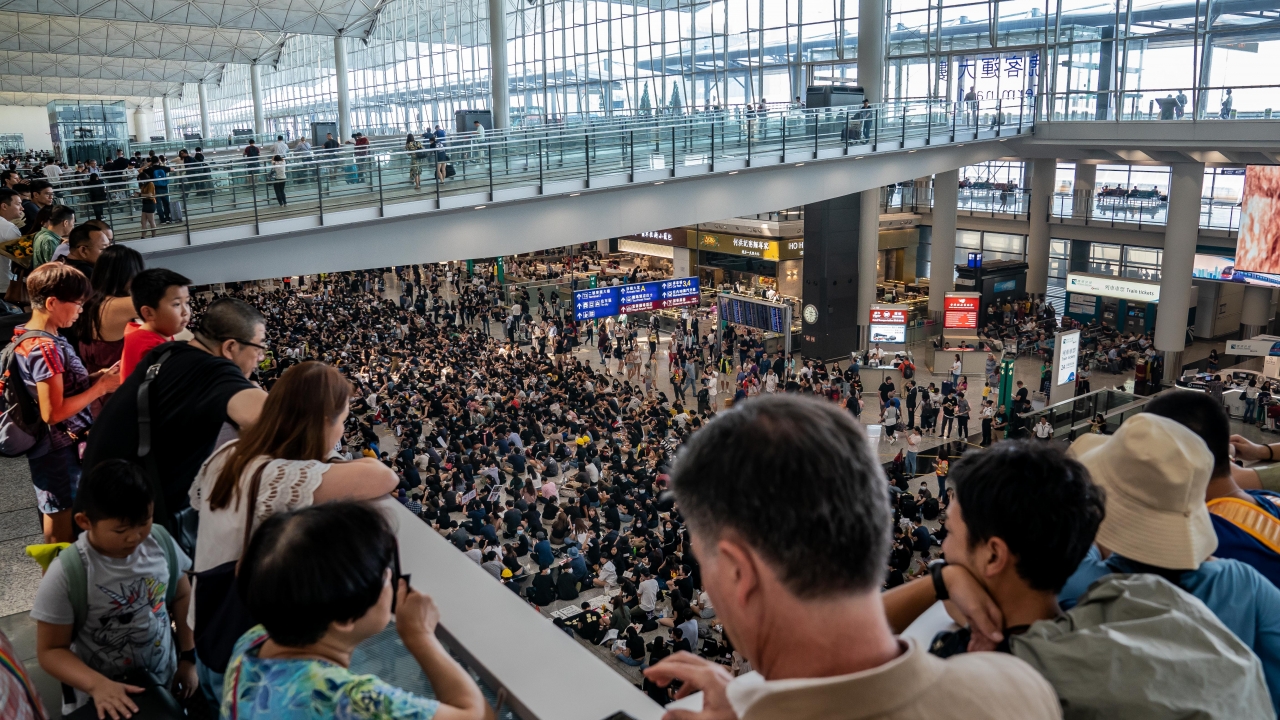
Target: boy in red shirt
{"x":161,"y":299}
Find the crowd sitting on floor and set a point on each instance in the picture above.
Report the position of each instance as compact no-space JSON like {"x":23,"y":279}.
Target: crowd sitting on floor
{"x":764,"y":537}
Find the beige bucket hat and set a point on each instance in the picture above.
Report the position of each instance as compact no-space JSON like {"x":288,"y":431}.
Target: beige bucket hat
{"x":1155,"y":472}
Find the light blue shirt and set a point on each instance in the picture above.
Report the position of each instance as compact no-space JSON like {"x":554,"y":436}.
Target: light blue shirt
{"x":1242,"y":598}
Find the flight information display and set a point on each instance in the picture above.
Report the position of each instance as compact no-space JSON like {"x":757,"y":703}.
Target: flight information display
{"x":761,"y":316}
{"x":635,"y":297}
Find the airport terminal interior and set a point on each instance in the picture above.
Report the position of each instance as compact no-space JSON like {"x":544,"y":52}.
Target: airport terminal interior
{"x":640,"y":359}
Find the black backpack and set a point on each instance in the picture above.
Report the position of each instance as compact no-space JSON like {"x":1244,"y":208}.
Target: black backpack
{"x":21,"y":426}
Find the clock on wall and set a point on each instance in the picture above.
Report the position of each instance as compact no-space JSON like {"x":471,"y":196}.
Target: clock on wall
{"x":810,"y":314}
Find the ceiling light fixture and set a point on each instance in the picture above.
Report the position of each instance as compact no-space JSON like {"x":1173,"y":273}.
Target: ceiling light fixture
{"x":659,"y":182}
{"x":574,"y":194}
{"x":480,"y":207}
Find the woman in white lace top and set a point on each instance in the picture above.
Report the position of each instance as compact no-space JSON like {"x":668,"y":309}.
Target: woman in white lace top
{"x":295,"y":437}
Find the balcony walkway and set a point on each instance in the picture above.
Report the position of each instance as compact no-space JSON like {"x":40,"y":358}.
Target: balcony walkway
{"x":602,"y":167}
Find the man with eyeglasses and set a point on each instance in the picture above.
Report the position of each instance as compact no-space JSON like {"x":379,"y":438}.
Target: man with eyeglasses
{"x":201,"y":386}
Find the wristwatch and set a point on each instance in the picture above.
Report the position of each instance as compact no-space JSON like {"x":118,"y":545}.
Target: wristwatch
{"x":190,"y":655}
{"x":939,"y":585}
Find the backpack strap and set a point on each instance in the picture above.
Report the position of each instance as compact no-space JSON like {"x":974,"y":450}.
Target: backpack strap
{"x":161,"y":510}
{"x":73,"y":570}
{"x":1253,"y":520}
{"x":170,"y":548}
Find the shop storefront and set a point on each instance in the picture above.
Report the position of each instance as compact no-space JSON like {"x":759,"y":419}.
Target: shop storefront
{"x":751,"y":265}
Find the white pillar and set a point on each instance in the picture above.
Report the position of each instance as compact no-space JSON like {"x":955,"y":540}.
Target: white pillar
{"x":255,"y":82}
{"x":1255,"y":311}
{"x":684,"y":262}
{"x":871,"y":49}
{"x":1181,"y":231}
{"x":1042,"y":175}
{"x":165,"y":104}
{"x":868,"y":252}
{"x":1082,"y":188}
{"x":500,"y":98}
{"x":344,"y":92}
{"x":942,"y":252}
{"x":143,"y":124}
{"x":204,"y":112}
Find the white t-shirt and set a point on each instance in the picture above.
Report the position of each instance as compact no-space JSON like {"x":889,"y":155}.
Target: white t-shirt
{"x":53,"y":173}
{"x":127,"y":623}
{"x":648,"y":594}
{"x":1043,"y":430}
{"x":285,"y":485}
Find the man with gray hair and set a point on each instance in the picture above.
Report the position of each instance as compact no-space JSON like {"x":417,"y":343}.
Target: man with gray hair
{"x":789,"y":517}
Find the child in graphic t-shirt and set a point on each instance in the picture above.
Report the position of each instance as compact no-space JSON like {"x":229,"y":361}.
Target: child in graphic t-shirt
{"x":161,"y":299}
{"x":107,"y":638}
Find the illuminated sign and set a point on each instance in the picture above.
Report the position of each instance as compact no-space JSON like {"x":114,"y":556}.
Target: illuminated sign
{"x":635,"y":297}
{"x":960,"y":311}
{"x":733,"y":245}
{"x":888,"y":314}
{"x":889,"y":334}
{"x":676,"y":237}
{"x":1113,"y":287}
{"x":1068,"y":357}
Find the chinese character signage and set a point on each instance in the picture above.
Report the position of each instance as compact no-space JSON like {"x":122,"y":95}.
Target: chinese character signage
{"x":960,"y":311}
{"x":1114,"y":287}
{"x":888,"y":315}
{"x":621,"y":299}
{"x":734,"y":245}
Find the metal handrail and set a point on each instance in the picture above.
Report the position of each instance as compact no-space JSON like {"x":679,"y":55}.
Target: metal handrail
{"x":221,"y":192}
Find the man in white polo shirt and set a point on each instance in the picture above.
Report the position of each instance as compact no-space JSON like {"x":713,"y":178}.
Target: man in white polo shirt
{"x":788,"y":513}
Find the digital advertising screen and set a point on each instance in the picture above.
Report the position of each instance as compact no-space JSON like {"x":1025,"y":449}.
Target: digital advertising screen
{"x":1005,"y":286}
{"x":1222,"y":268}
{"x":889,"y":334}
{"x":960,"y":311}
{"x":636,"y":297}
{"x":1258,"y":246}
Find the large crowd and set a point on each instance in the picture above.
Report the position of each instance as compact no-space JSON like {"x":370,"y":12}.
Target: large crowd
{"x":209,"y":459}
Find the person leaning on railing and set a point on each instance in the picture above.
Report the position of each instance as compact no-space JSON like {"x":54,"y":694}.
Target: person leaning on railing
{"x":321,"y":580}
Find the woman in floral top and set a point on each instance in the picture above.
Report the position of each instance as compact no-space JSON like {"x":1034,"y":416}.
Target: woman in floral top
{"x":321,"y":580}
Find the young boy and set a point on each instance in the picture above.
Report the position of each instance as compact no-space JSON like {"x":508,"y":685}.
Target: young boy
{"x":161,"y":299}
{"x":104,"y":607}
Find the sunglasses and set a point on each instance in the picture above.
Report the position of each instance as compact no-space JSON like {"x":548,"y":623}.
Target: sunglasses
{"x":396,"y":576}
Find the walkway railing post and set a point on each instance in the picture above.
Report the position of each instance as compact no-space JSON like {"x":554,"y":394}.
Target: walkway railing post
{"x":784,"y":135}
{"x":253,"y":183}
{"x":846,"y":132}
{"x":320,"y":193}
{"x":928,"y":133}
{"x":673,"y":151}
{"x":377,"y":163}
{"x":632,"y":147}
{"x":954,"y":114}
{"x":586,"y":154}
{"x":489,"y":154}
{"x":815,"y":136}
{"x":539,"y":166}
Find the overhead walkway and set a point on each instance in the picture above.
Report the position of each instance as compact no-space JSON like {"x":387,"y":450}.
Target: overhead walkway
{"x":546,"y":187}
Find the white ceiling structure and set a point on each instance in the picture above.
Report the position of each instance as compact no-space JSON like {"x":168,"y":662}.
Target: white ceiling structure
{"x":139,"y":50}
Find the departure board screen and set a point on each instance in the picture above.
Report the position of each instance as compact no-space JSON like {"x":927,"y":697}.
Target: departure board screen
{"x":761,"y":316}
{"x":635,"y":297}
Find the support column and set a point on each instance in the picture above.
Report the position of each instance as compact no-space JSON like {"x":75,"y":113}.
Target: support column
{"x":868,"y":252}
{"x":832,"y":276}
{"x":1042,"y":176}
{"x":204,"y":112}
{"x":1180,"y":234}
{"x":1082,"y":189}
{"x":344,"y":92}
{"x":1255,"y":311}
{"x":871,"y":49}
{"x":684,"y":262}
{"x":499,"y":81}
{"x":255,"y":82}
{"x":167,"y":108}
{"x":942,"y":253}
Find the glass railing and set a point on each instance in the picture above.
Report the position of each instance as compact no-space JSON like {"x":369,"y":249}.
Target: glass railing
{"x":1071,"y":418}
{"x":495,"y":634}
{"x":1247,"y":102}
{"x":239,"y":191}
{"x":1146,"y":208}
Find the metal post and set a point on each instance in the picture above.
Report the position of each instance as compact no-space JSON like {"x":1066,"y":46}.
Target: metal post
{"x":489,"y":154}
{"x":903,"y":111}
{"x":253,"y":183}
{"x":815,"y":136}
{"x":633,"y":154}
{"x":381,"y":205}
{"x":539,"y":166}
{"x":953,"y":122}
{"x":586,"y":154}
{"x":928,"y":133}
{"x":673,"y":151}
{"x":320,"y":193}
{"x":784,"y":136}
